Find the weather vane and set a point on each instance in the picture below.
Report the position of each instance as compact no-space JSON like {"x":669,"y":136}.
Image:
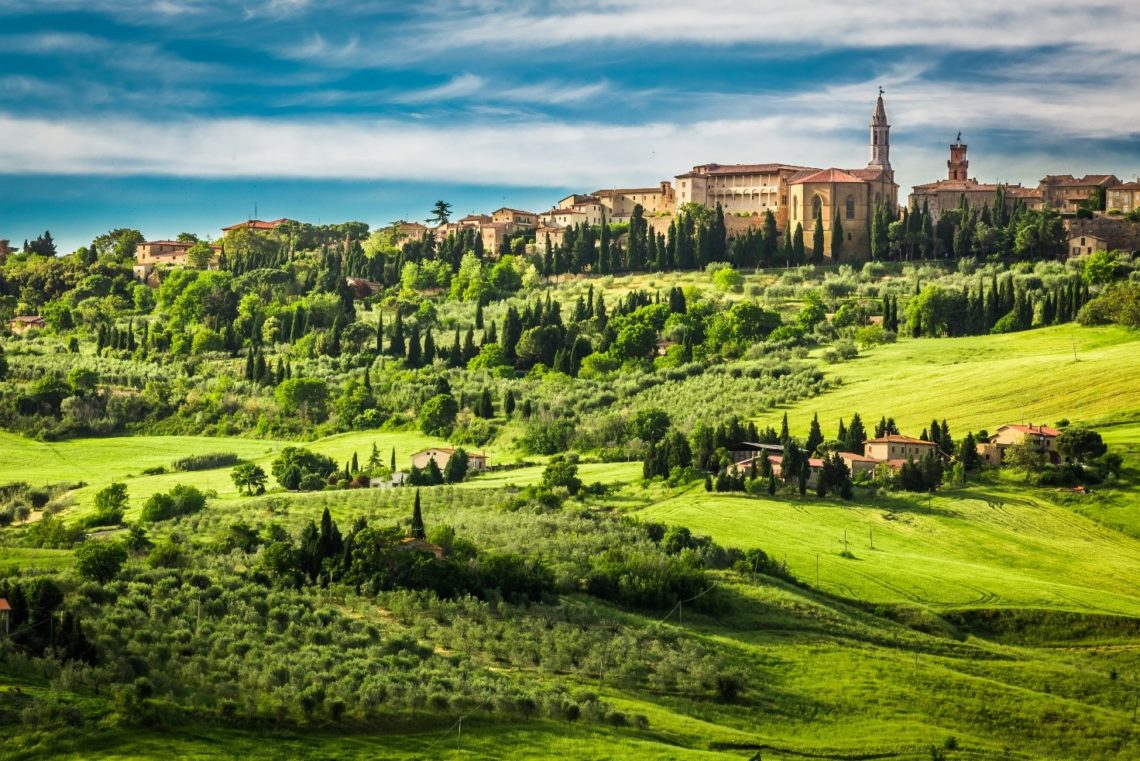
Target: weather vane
{"x":880,"y":89}
{"x":959,"y":138}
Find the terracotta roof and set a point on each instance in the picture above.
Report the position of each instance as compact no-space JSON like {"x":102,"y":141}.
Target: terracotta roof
{"x":1043,"y":430}
{"x":857,"y":457}
{"x":625,"y":191}
{"x":898,"y":439}
{"x":515,"y":211}
{"x":866,"y":173}
{"x":181,"y":243}
{"x":448,"y":450}
{"x":709,"y":169}
{"x":1068,"y":179}
{"x":4,"y":604}
{"x":1128,"y":186}
{"x":28,"y":319}
{"x":827,"y":175}
{"x":256,"y":224}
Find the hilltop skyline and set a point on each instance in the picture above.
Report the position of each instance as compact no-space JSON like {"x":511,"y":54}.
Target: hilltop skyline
{"x":184,"y":115}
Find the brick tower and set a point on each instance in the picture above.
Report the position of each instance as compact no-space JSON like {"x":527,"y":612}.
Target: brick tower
{"x":957,"y":164}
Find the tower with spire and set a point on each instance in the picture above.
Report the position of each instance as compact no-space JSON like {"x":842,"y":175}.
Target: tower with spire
{"x":880,"y":138}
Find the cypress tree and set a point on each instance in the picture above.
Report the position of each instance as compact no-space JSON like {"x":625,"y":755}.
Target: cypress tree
{"x":429,"y":348}
{"x":815,"y":436}
{"x":798,"y":244}
{"x":415,"y":357}
{"x":479,"y":314}
{"x":397,"y":347}
{"x":817,"y":238}
{"x":837,"y":238}
{"x":417,"y":530}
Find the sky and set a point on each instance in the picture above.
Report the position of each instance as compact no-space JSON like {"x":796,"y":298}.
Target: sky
{"x":188,"y":115}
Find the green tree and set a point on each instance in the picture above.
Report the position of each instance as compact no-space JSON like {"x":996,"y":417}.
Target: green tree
{"x":440,"y":213}
{"x":562,"y":471}
{"x":456,"y":468}
{"x":110,"y":505}
{"x":100,"y":561}
{"x":307,"y":397}
{"x":295,"y":463}
{"x":249,"y":478}
{"x":437,"y":415}
{"x":1080,"y":444}
{"x":650,"y":425}
{"x":836,"y":237}
{"x":817,"y":238}
{"x":417,"y":529}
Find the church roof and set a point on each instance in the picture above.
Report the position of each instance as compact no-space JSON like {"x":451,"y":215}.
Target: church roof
{"x":827,"y":175}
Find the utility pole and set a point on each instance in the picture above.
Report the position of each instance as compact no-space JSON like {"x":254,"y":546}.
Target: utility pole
{"x":817,"y":570}
{"x":845,"y":541}
{"x":872,"y":532}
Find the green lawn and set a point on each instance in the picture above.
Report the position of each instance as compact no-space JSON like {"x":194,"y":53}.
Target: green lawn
{"x":983,"y":381}
{"x":979,"y":546}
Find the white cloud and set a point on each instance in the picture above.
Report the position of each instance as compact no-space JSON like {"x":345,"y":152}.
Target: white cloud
{"x":461,"y":86}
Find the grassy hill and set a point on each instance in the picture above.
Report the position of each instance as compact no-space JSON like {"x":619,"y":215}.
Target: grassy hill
{"x":1039,"y":376}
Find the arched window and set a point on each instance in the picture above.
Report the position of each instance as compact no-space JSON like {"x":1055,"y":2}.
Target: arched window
{"x":795,"y":206}
{"x":851,"y":207}
{"x":816,"y":206}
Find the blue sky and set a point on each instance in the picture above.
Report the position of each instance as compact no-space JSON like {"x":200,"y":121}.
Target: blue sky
{"x":189,"y":114}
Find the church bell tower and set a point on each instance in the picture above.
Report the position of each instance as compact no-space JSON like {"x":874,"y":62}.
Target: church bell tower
{"x":880,"y":138}
{"x":958,"y":165}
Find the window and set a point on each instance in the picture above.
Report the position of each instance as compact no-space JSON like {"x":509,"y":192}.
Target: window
{"x":816,"y":207}
{"x":851,"y":207}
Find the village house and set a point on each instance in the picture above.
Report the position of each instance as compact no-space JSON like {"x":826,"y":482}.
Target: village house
{"x":24,"y":323}
{"x":441,"y":455}
{"x":1085,"y":244}
{"x":554,"y":233}
{"x":494,"y":235}
{"x":897,"y":447}
{"x":815,"y":465}
{"x":406,"y":232}
{"x":1102,"y":233}
{"x":516,"y":221}
{"x":620,"y":202}
{"x":1066,"y":193}
{"x":1123,"y":198}
{"x":171,"y":253}
{"x":5,"y":615}
{"x":399,"y":478}
{"x":1040,"y":437}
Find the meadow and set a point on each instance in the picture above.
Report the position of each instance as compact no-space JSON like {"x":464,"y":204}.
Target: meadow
{"x":980,"y":382}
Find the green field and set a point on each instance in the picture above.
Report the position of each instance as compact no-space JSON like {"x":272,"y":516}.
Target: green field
{"x":983,"y":381}
{"x":1000,"y":615}
{"x":973,"y":547}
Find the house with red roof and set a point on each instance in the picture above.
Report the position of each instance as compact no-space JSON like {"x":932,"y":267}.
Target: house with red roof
{"x":441,"y":455}
{"x":5,"y":615}
{"x":1040,"y":437}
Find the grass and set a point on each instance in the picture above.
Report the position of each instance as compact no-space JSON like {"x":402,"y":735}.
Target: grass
{"x":983,"y":381}
{"x":973,"y":547}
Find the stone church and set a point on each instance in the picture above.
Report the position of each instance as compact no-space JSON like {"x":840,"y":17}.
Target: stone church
{"x":797,"y":194}
{"x":852,"y":194}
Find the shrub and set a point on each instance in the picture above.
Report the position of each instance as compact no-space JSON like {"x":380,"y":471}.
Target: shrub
{"x":180,"y":500}
{"x":205,"y":461}
{"x":295,"y":464}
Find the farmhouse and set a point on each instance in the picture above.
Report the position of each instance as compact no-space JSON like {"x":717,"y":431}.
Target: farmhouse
{"x":1040,"y":437}
{"x":441,"y":455}
{"x":24,"y":323}
{"x":815,"y":465}
{"x":411,"y":544}
{"x":896,"y":447}
{"x":5,"y":615}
